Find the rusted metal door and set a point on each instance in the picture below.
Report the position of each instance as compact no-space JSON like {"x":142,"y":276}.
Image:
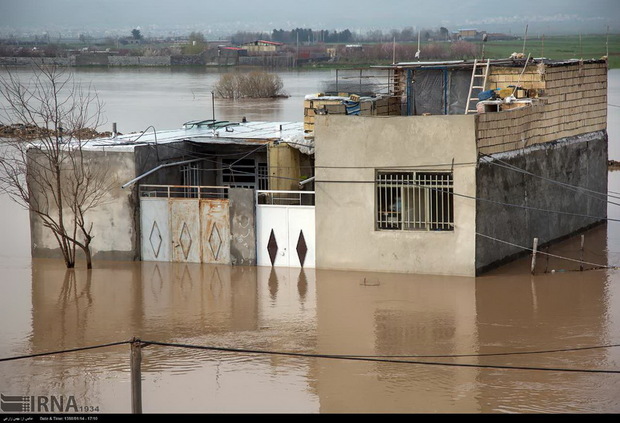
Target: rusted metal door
{"x":185,"y":224}
{"x":215,"y":231}
{"x":185,"y":230}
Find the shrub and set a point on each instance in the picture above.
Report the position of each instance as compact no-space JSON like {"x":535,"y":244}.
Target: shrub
{"x":249,"y":85}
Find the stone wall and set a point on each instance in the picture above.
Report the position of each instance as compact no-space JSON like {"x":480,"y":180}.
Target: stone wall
{"x":242,"y":226}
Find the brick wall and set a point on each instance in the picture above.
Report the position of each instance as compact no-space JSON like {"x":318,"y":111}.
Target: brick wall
{"x":572,"y":100}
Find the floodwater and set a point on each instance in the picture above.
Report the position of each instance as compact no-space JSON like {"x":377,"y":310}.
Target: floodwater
{"x":504,"y":342}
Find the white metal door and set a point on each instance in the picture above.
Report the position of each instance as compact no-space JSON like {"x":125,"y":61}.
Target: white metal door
{"x":285,"y":233}
{"x":272,"y":236}
{"x":301,"y":238}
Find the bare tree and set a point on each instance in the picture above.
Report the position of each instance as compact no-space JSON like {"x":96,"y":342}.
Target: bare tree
{"x":46,"y":168}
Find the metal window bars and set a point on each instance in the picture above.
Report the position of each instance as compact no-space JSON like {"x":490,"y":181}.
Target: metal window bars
{"x":414,"y":201}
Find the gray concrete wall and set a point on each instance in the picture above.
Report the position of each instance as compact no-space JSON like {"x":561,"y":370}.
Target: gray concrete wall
{"x":30,"y":61}
{"x":115,"y":220}
{"x":139,"y":61}
{"x":242,"y":226}
{"x":349,"y":149}
{"x":92,"y":59}
{"x":576,"y":161}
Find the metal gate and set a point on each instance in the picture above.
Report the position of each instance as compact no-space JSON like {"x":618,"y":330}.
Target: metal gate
{"x":185,"y":224}
{"x":285,"y":228}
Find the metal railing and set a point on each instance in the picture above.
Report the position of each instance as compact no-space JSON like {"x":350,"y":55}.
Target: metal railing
{"x":285,"y":198}
{"x":183,"y":191}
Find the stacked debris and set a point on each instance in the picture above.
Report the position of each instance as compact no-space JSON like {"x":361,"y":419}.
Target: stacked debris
{"x":31,"y":132}
{"x":347,"y":104}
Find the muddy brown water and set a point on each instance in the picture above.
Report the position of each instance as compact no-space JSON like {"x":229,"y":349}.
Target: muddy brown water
{"x":504,"y":342}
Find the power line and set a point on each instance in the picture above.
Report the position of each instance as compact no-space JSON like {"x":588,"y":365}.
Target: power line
{"x":65,"y":351}
{"x":562,"y":184}
{"x":602,"y":266}
{"x":377,"y":359}
{"x":480,"y":199}
{"x":436,"y":165}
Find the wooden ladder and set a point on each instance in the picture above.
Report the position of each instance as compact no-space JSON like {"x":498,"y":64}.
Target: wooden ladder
{"x":479,"y":76}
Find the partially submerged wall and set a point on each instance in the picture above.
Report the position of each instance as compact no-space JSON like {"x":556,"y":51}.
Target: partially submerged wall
{"x":115,"y":220}
{"x":349,"y":150}
{"x":546,"y":191}
{"x":242,"y":226}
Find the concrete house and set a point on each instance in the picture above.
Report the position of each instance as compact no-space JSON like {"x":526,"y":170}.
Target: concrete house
{"x":466,"y":178}
{"x":188,"y":195}
{"x":259,"y":47}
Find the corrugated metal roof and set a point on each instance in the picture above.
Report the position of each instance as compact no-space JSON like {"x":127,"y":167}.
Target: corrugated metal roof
{"x":208,"y":132}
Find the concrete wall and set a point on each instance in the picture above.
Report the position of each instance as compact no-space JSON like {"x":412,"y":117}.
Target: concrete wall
{"x":139,"y":61}
{"x":573,"y":101}
{"x":579,"y":161}
{"x":349,"y":149}
{"x":30,"y":61}
{"x":242,"y":226}
{"x":115,"y":220}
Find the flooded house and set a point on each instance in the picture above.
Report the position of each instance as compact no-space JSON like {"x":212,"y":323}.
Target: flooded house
{"x":484,"y":158}
{"x":459,"y":167}
{"x":189,"y":194}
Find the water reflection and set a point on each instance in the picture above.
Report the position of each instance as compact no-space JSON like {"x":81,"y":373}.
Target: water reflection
{"x":391,"y":316}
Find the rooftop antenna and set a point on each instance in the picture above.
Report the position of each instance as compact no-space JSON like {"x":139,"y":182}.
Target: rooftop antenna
{"x":213,"y":105}
{"x":524,"y":39}
{"x":607,"y":44}
{"x":394,"y":51}
{"x":417,"y":53}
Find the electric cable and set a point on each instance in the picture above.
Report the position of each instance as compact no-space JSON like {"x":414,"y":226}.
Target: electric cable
{"x":377,"y":359}
{"x":480,"y":199}
{"x":380,"y":359}
{"x":64,"y":351}
{"x":568,"y":186}
{"x":602,"y":266}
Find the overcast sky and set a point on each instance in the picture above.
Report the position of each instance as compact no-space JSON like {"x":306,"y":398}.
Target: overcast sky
{"x":220,"y":17}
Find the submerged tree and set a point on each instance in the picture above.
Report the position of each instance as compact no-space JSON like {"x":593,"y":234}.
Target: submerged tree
{"x":249,"y":85}
{"x":46,"y":169}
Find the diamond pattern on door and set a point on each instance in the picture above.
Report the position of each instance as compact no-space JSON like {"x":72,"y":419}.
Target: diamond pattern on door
{"x":185,"y":240}
{"x":272,"y":247}
{"x":302,"y":248}
{"x":155,"y":239}
{"x":215,"y":241}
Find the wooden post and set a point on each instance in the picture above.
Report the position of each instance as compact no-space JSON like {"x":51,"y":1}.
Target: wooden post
{"x":534,"y":249}
{"x":136,"y":377}
{"x":581,"y":252}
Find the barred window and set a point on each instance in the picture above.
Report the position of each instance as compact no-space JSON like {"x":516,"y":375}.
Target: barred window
{"x":414,"y":200}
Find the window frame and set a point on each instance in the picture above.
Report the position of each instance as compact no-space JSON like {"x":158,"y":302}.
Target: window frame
{"x":414,"y":200}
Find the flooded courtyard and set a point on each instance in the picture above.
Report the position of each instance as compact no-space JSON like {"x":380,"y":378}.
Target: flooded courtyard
{"x":285,"y":340}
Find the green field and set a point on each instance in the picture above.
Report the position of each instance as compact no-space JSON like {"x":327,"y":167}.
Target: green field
{"x":564,"y":47}
{"x":560,"y":47}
